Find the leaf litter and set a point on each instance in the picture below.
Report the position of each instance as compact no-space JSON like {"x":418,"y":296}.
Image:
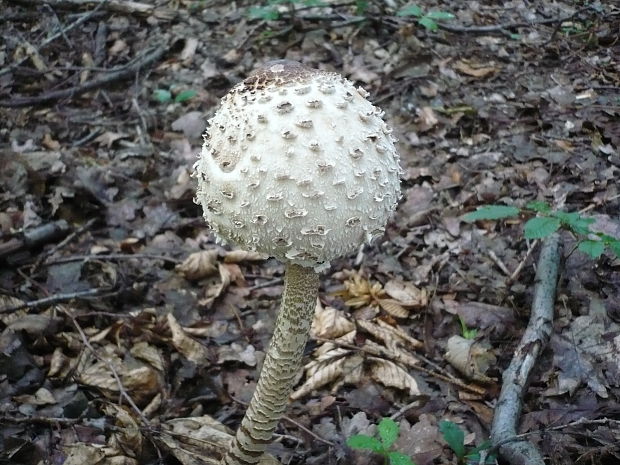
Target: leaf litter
{"x":485,"y":118}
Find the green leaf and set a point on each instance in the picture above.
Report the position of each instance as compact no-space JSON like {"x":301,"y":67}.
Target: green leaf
{"x":361,"y":6}
{"x":514,"y":36}
{"x":575,"y":221}
{"x":185,"y":96}
{"x":467,"y":333}
{"x":492,"y":212}
{"x":439,"y":15}
{"x":361,"y":441}
{"x":262,"y":12}
{"x":162,"y":95}
{"x":538,"y":206}
{"x":428,"y":23}
{"x":615,"y":247}
{"x":454,"y":437}
{"x":592,"y":248}
{"x":396,"y":458}
{"x":541,"y":226}
{"x":388,"y":432}
{"x":413,"y":10}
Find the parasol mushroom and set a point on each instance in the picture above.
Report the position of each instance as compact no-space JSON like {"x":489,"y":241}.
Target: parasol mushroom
{"x":296,"y":164}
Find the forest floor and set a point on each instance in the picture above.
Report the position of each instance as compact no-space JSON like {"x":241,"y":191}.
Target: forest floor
{"x":121,"y":320}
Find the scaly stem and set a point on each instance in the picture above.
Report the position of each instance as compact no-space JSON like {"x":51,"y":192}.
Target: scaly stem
{"x":282,"y":363}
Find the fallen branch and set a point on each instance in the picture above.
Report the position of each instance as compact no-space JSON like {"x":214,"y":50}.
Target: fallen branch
{"x":58,"y":298}
{"x":115,"y":6}
{"x":516,"y":377}
{"x":114,"y":257}
{"x":34,"y":237}
{"x":115,"y":74}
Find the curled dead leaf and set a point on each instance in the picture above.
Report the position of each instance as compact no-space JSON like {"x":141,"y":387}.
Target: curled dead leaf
{"x":406,"y":293}
{"x":390,"y":374}
{"x":199,"y":265}
{"x":127,"y":437}
{"x":471,"y":358}
{"x":393,"y":307}
{"x":330,"y":323}
{"x":188,"y":347}
{"x":475,"y":70}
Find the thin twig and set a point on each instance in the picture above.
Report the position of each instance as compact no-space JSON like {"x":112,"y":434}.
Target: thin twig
{"x":498,"y":261}
{"x":509,"y":26}
{"x":81,"y":20}
{"x":311,"y":433}
{"x":61,"y":244}
{"x":123,"y":393}
{"x":516,"y":376}
{"x":457,"y":382}
{"x":515,"y":274}
{"x":112,"y":257}
{"x":116,"y":74}
{"x":58,"y":298}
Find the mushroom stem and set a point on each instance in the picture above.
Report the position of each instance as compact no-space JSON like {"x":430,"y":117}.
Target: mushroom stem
{"x":282,"y":363}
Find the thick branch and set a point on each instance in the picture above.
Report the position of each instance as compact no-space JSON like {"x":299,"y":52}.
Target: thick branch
{"x":516,"y":376}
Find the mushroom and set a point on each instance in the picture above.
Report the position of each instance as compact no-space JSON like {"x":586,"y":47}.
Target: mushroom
{"x":296,"y":164}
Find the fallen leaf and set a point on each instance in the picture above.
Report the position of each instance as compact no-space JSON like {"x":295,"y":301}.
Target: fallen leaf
{"x":475,"y":70}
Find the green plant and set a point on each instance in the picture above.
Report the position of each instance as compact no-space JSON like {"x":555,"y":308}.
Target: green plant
{"x":549,"y":221}
{"x":427,"y":19}
{"x":467,"y":333}
{"x":165,"y":95}
{"x":455,"y":438}
{"x":388,"y":433}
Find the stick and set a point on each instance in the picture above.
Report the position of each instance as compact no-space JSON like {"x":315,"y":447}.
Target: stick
{"x":61,"y":244}
{"x":516,"y":377}
{"x":508,"y":26}
{"x":82,"y":19}
{"x":112,"y":257}
{"x":116,"y":6}
{"x":115,"y":74}
{"x":57,"y":298}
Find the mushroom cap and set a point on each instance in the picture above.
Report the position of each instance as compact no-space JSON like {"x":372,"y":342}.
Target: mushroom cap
{"x":297,"y":164}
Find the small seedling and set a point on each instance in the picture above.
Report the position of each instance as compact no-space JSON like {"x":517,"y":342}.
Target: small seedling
{"x":455,"y":438}
{"x":427,"y":19}
{"x":467,"y":333}
{"x":388,"y":433}
{"x":549,"y":221}
{"x":165,"y":96}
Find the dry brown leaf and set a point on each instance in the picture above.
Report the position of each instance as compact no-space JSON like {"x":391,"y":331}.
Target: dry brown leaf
{"x":148,"y":353}
{"x":81,"y":453}
{"x":330,"y":323}
{"x":199,"y":441}
{"x":406,"y":293}
{"x":188,"y":347}
{"x":426,"y":119}
{"x":474,"y":69}
{"x":199,"y":265}
{"x":399,"y":333}
{"x":237,"y":353}
{"x":390,"y":374}
{"x":393,"y":307}
{"x":127,"y":437}
{"x":472,"y":359}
